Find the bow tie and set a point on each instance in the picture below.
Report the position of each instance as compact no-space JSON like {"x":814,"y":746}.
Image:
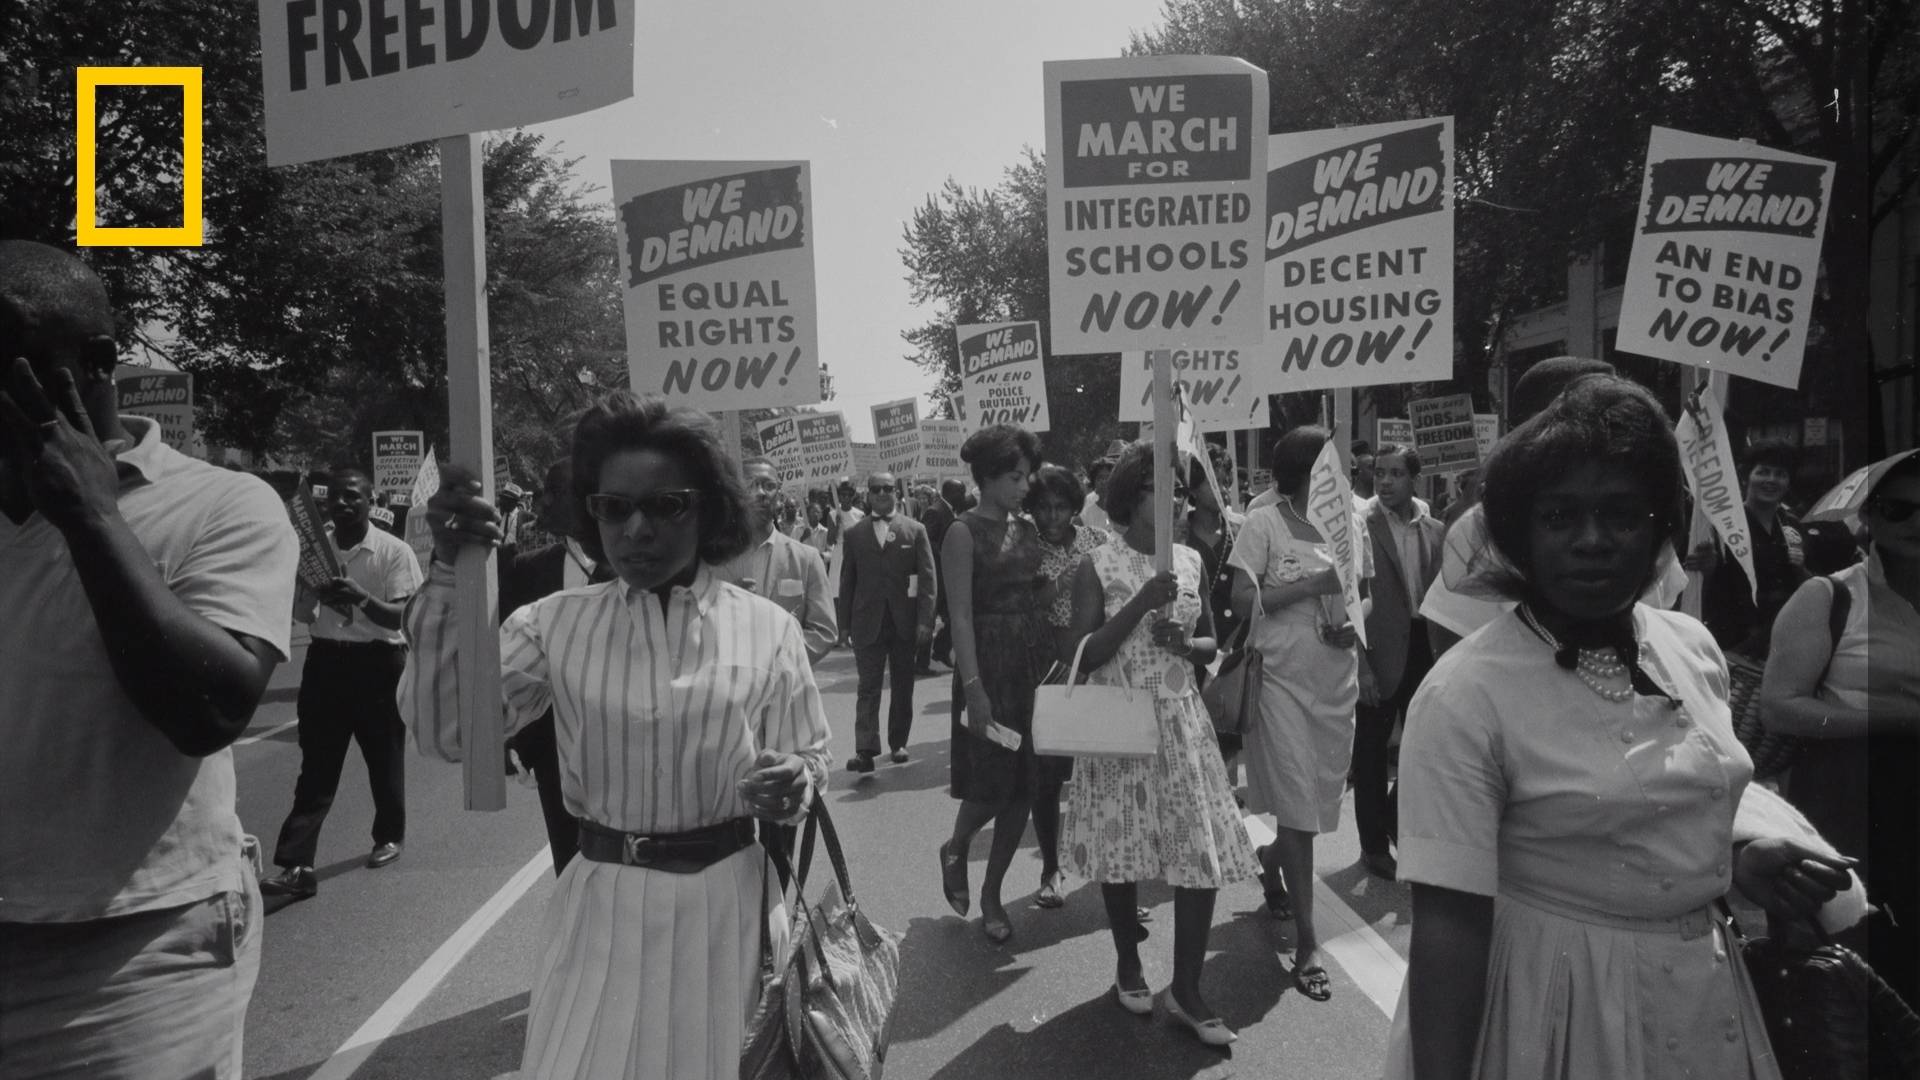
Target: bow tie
{"x":883,"y":518}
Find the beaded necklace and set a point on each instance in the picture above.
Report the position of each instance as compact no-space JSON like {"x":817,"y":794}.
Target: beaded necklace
{"x":1596,"y":668}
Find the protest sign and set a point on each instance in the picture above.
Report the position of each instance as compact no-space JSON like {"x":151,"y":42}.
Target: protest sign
{"x":1330,"y":509}
{"x":165,"y":397}
{"x":1814,"y":431}
{"x":345,"y":76}
{"x":896,"y":430}
{"x":396,"y":458}
{"x":1215,"y":384}
{"x":866,"y":461}
{"x":716,"y":264}
{"x":1155,"y":202}
{"x":780,"y":443}
{"x":1486,"y":432}
{"x":940,"y":442}
{"x":318,"y":565}
{"x":820,"y":450}
{"x":1708,"y":454}
{"x":1725,"y":256}
{"x":426,"y":481}
{"x":1392,"y":431}
{"x":1002,"y":368}
{"x":1359,"y":248}
{"x":1443,"y":433}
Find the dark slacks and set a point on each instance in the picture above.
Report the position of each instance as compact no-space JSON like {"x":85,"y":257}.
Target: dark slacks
{"x":347,"y":694}
{"x":941,"y":646}
{"x":1375,"y":804}
{"x":892,"y":650}
{"x":540,"y":752}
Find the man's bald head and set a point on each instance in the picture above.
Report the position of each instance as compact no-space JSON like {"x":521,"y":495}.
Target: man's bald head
{"x":50,"y":301}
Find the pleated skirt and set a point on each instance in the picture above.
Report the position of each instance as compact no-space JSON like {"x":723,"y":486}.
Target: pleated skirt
{"x":647,"y":975}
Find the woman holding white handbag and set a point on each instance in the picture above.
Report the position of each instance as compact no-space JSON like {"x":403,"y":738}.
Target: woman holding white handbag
{"x":1170,"y":816}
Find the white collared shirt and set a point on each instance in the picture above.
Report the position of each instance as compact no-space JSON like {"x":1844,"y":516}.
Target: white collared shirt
{"x":383,"y":565}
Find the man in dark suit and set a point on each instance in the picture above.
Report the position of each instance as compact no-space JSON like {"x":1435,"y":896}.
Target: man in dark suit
{"x":938,"y":518}
{"x":888,"y":589}
{"x":526,"y":576}
{"x":1406,"y":556}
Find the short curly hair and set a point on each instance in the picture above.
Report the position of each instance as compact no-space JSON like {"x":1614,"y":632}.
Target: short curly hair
{"x":1054,"y":481}
{"x":1602,"y":419}
{"x":623,"y":420}
{"x":998,"y":450}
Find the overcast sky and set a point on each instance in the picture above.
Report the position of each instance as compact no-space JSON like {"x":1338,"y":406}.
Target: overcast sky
{"x":886,"y":98}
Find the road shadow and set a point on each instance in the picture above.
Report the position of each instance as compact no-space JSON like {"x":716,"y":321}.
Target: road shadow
{"x":275,"y":904}
{"x":1371,"y":898}
{"x":281,"y":695}
{"x":925,"y":770}
{"x":481,"y":1043}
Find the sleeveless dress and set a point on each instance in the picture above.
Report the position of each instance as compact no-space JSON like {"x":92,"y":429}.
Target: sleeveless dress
{"x":1170,"y":817}
{"x":1012,"y":647}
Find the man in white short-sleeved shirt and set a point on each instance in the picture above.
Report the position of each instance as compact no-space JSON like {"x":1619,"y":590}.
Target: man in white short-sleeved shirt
{"x":347,"y":685}
{"x":145,"y":598}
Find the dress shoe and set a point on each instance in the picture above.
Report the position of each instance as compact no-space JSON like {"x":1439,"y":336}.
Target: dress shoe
{"x":860,"y":763}
{"x":1138,"y":1002}
{"x":295,"y":881}
{"x":1214,"y":1032}
{"x":899,"y":757}
{"x":383,"y":854}
{"x":1381,"y":864}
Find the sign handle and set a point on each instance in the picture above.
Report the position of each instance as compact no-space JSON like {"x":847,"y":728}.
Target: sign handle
{"x":470,"y":417}
{"x":1165,"y":419}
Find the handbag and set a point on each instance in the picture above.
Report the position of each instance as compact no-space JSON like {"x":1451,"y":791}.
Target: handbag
{"x":1828,"y":1016}
{"x":1232,"y":695}
{"x":1094,"y":721}
{"x":826,"y":1005}
{"x":1772,"y":752}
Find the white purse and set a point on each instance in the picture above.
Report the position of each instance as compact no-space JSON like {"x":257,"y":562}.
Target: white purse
{"x":1094,"y":721}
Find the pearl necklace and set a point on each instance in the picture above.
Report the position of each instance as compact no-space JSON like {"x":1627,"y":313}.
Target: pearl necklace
{"x":1596,"y":667}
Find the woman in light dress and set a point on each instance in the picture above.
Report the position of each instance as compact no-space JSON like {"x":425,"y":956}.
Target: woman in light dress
{"x":1297,"y":754}
{"x":684,"y":707}
{"x":1170,"y":817}
{"x":1569,"y":783}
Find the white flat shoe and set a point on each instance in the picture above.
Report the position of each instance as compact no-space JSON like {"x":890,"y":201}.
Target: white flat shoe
{"x":1138,"y":1002}
{"x":1214,"y":1032}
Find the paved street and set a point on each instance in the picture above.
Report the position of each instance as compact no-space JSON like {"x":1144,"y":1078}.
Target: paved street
{"x":420,"y":969}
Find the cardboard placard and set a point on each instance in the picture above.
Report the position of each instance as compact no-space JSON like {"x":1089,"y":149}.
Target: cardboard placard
{"x":1003,"y":370}
{"x":1359,"y":248}
{"x":940,"y":442}
{"x":417,"y":533}
{"x":896,"y":430}
{"x":165,"y":397}
{"x":1215,"y":384}
{"x":1392,"y":431}
{"x":1725,"y":256}
{"x":716,"y":265}
{"x":1443,"y":433}
{"x":1155,"y":202}
{"x":345,"y":76}
{"x":1486,"y":432}
{"x":396,"y":459}
{"x":318,"y":564}
{"x":866,"y":461}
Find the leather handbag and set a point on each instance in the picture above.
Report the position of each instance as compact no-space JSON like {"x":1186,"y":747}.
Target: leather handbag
{"x":1094,"y":721}
{"x":1772,"y":752}
{"x":1232,"y":695}
{"x":1828,"y":1016}
{"x":826,"y":1004}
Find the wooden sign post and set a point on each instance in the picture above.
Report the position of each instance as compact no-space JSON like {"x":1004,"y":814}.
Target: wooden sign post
{"x":470,"y":414}
{"x":1165,"y":419}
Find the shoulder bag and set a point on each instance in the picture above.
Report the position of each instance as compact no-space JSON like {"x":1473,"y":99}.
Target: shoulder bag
{"x":1828,"y":1016}
{"x":1094,"y":721}
{"x":1772,"y":752}
{"x":827,"y":1004}
{"x":1232,"y":695}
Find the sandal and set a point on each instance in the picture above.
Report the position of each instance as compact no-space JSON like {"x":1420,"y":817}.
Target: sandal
{"x":1312,"y":982}
{"x":998,"y":928}
{"x":953,"y":880}
{"x":1049,"y":894}
{"x":1279,"y":901}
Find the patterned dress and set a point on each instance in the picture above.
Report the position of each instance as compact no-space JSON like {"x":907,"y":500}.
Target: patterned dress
{"x":1170,"y":817}
{"x":1011,"y":646}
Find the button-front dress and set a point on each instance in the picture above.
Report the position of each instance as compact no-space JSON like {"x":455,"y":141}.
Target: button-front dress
{"x":1603,"y":830}
{"x":643,"y":974}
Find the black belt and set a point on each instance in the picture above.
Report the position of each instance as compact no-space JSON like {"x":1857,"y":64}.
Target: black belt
{"x":327,"y":643}
{"x":676,"y":853}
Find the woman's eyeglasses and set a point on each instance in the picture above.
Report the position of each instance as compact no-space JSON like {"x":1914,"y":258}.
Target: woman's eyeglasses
{"x":1893,"y":509}
{"x":660,"y":506}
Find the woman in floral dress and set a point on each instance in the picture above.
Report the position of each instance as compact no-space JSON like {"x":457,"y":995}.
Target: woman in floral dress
{"x":1172,"y":816}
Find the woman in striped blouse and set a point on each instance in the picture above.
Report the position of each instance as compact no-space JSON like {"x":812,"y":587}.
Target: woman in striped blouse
{"x":684,"y":707}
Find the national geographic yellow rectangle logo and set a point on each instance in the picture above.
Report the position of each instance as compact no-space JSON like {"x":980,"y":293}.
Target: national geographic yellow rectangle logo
{"x":190,"y":232}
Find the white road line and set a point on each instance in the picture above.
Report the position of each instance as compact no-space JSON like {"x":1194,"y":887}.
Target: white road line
{"x":394,"y":1011}
{"x":267,"y":734}
{"x":1360,"y":951}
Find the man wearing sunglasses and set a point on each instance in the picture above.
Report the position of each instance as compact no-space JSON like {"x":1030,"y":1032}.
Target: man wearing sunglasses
{"x":888,"y":588}
{"x":780,"y":568}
